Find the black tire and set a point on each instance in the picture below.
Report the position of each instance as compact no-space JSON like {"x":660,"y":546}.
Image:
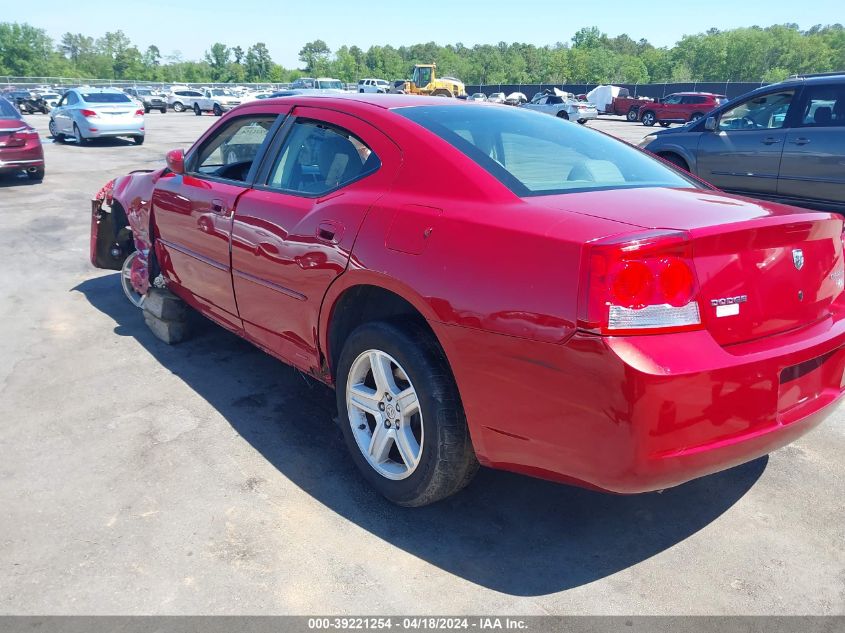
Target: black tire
{"x":447,"y":461}
{"x":696,"y":116}
{"x":217,"y":110}
{"x":582,"y":121}
{"x":81,"y":140}
{"x":632,"y":115}
{"x":59,"y":138}
{"x":664,"y":123}
{"x":197,"y":110}
{"x":178,"y":106}
{"x":648,"y":118}
{"x":146,"y":110}
{"x":675,"y":160}
{"x":37,"y":175}
{"x":138,"y":140}
{"x":163,"y":110}
{"x":563,"y":115}
{"x":361,"y":91}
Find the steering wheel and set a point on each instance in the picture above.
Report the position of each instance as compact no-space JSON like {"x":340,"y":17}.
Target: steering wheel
{"x":748,"y":123}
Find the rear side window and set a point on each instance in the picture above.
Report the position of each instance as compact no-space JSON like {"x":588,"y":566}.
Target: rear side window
{"x":823,"y":106}
{"x":317,"y":158}
{"x":535,"y":154}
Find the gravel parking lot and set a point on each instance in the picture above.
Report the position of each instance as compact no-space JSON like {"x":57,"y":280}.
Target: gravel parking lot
{"x":209,"y":478}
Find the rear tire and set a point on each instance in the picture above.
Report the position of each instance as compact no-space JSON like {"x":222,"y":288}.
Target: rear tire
{"x":632,"y":115}
{"x":197,"y":110}
{"x":664,"y":123}
{"x":696,"y":116}
{"x":217,"y":110}
{"x":563,"y":115}
{"x":81,"y":140}
{"x":138,"y":140}
{"x":411,"y":371}
{"x":146,"y":110}
{"x":649,"y":119}
{"x":178,"y":106}
{"x":163,"y":110}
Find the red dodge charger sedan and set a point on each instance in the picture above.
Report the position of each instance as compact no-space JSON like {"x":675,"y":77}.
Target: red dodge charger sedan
{"x":484,"y":284}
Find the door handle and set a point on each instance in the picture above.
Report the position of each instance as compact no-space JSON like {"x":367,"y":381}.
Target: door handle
{"x":218,"y":207}
{"x":801,"y":140}
{"x":770,"y":140}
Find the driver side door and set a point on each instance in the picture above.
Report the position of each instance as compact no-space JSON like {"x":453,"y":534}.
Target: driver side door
{"x":193,"y":213}
{"x":743,"y":153}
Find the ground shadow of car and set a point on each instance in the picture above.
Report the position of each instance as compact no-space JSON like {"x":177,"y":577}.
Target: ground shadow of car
{"x":106,"y":141}
{"x":17,"y":180}
{"x":513,"y":534}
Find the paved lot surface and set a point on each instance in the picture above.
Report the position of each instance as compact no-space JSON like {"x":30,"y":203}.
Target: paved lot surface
{"x":209,"y":478}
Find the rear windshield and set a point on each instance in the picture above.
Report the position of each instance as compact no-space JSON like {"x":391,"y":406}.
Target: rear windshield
{"x":536,"y":154}
{"x":8,"y":111}
{"x":104,"y":97}
{"x":330,"y":85}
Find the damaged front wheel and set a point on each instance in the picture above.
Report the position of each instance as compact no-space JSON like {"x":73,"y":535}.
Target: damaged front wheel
{"x":133,"y":276}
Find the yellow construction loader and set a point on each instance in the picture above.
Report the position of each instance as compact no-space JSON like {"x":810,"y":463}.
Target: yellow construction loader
{"x":424,"y":81}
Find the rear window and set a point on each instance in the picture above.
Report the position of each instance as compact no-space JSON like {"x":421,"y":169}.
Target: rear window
{"x":104,"y":97}
{"x":536,"y":154}
{"x":8,"y":111}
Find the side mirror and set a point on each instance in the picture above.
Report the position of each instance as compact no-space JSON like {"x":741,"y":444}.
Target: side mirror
{"x":710,"y":123}
{"x":176,"y":161}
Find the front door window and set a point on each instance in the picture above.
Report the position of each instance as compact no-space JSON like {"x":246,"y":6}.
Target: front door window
{"x":763,"y":112}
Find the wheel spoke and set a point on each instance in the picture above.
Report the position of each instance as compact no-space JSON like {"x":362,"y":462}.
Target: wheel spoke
{"x":382,"y":374}
{"x":408,"y":447}
{"x":380,"y":443}
{"x":407,"y":402}
{"x":365,"y":399}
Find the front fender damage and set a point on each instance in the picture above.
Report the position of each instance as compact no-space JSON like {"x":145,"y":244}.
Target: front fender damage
{"x":120,"y":225}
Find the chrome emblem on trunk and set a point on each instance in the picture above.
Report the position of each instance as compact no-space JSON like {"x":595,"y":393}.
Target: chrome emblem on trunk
{"x":798,"y":258}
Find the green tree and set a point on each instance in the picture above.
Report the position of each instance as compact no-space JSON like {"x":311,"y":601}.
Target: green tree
{"x":315,"y":55}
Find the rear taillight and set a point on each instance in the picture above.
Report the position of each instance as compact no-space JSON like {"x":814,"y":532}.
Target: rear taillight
{"x":19,"y":138}
{"x":139,"y":113}
{"x":639,"y":283}
{"x":89,"y":114}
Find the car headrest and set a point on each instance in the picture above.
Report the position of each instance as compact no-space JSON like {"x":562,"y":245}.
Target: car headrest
{"x":823,"y":116}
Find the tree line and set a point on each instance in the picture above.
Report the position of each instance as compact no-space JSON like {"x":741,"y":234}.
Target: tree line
{"x":743,"y":54}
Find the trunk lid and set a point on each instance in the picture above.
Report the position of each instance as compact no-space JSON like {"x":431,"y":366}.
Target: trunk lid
{"x":769,"y":277}
{"x":762,"y":268}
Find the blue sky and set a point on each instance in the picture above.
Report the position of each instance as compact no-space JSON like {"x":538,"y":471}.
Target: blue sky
{"x":191,"y":27}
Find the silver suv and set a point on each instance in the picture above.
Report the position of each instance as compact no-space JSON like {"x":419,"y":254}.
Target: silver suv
{"x":181,"y":99}
{"x":784,"y":142}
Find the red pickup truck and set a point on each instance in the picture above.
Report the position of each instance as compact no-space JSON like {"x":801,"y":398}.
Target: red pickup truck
{"x":680,"y":107}
{"x":627,"y":106}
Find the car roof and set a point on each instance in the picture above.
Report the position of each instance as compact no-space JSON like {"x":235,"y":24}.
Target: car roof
{"x":387,"y":102}
{"x":696,"y":94}
{"x":94,"y":89}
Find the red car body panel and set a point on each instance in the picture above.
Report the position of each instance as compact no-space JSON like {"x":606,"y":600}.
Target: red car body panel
{"x":682,"y":112}
{"x":20,"y":146}
{"x":498,"y":278}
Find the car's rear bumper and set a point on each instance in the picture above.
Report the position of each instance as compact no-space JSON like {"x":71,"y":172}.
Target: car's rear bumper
{"x":27,"y":157}
{"x":100,"y":128}
{"x":634,"y":414}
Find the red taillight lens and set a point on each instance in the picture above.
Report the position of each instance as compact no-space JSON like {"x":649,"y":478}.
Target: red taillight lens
{"x":88,"y":114}
{"x":638,"y":284}
{"x":139,"y":113}
{"x":19,"y":138}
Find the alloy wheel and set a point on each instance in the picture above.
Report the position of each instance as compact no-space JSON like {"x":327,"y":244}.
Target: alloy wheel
{"x":132,"y":266}
{"x":384,"y":413}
